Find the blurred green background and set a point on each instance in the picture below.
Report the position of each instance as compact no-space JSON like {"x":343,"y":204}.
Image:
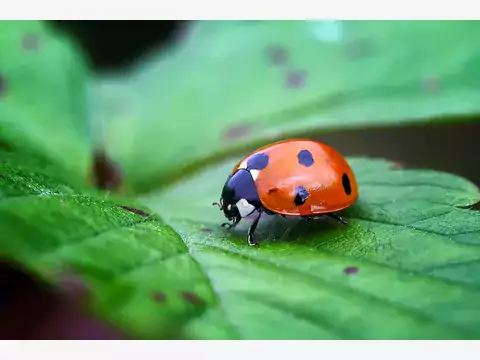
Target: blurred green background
{"x":113,"y":46}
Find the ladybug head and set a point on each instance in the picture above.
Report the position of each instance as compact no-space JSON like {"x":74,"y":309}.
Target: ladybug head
{"x":239,"y":196}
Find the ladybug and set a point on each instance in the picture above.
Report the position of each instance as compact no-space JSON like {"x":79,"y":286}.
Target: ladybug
{"x":295,"y":177}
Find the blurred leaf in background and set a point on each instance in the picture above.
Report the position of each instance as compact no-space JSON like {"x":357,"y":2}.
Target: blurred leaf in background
{"x":229,"y":86}
{"x":43,"y":95}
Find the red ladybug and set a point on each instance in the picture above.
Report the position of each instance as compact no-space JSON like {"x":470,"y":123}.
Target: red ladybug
{"x":293,"y":177}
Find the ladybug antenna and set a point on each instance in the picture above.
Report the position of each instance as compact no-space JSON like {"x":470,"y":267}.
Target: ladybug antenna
{"x":217,"y":204}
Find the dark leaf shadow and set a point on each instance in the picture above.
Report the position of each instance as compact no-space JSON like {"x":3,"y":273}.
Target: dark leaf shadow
{"x":31,"y":309}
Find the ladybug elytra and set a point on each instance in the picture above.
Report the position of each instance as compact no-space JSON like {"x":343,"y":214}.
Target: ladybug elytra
{"x":291,"y":178}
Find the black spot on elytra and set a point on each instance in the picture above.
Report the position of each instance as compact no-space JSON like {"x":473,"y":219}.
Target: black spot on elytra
{"x":305,"y":158}
{"x":159,"y":296}
{"x":296,"y":78}
{"x":257,"y":162}
{"x":346,"y":184}
{"x":301,"y":195}
{"x":134,"y":210}
{"x":191,"y":298}
{"x":351,"y":270}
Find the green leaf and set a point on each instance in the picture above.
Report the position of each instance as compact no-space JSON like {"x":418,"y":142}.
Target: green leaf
{"x":230,"y":86}
{"x":43,"y":95}
{"x":139,"y":271}
{"x":406,"y":266}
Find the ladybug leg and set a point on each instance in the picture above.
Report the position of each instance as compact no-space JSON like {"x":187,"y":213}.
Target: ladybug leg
{"x":269,"y":212}
{"x":250,"y":238}
{"x":336,"y":218}
{"x":232,"y":225}
{"x":330,"y":215}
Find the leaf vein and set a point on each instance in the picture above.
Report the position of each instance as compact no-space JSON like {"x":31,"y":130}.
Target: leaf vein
{"x":81,"y":241}
{"x":213,"y":287}
{"x":413,"y":313}
{"x":427,"y":231}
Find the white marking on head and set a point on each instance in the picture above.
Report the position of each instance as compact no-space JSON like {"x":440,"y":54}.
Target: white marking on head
{"x":254,"y":174}
{"x":244,"y":207}
{"x":243,"y":165}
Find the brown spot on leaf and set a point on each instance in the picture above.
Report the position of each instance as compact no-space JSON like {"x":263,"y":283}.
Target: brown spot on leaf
{"x":208,"y":230}
{"x":159,"y":296}
{"x":296,"y":79}
{"x":191,"y":298}
{"x":134,"y":210}
{"x":398,"y":165}
{"x":237,"y":131}
{"x":431,"y":84}
{"x":277,"y":55}
{"x":106,"y":174}
{"x":30,"y":42}
{"x":350,"y":270}
{"x":359,"y":49}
